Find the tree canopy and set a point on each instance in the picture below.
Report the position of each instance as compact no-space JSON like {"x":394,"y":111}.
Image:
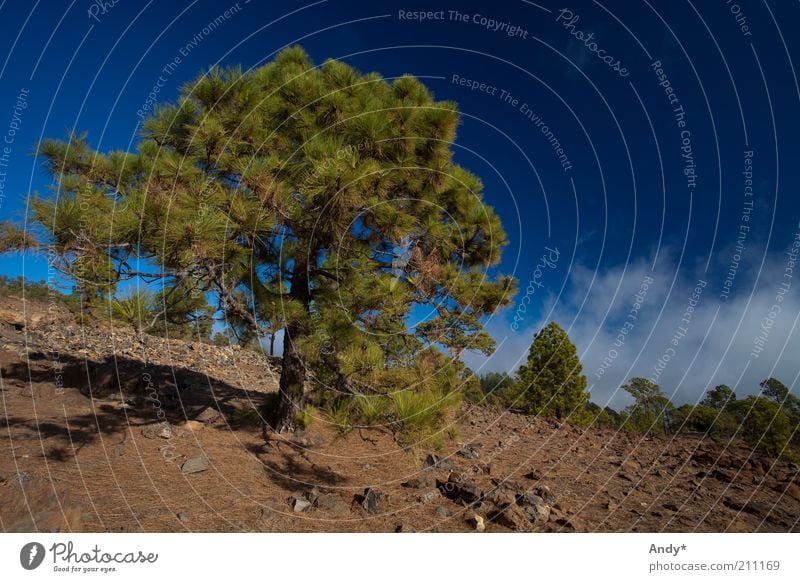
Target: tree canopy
{"x":317,"y":200}
{"x":552,"y":382}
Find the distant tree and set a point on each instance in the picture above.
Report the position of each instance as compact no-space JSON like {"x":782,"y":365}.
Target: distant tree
{"x":496,"y":382}
{"x":552,"y":383}
{"x":605,"y":417}
{"x":716,"y":423}
{"x":651,"y":412}
{"x":790,"y":404}
{"x":764,"y":425}
{"x":719,"y":397}
{"x":774,"y":389}
{"x":312,"y":199}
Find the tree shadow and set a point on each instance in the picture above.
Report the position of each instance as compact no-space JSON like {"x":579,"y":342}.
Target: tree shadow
{"x":289,"y":467}
{"x":122,"y":393}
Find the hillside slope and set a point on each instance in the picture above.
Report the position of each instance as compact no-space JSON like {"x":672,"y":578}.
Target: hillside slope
{"x":77,"y":454}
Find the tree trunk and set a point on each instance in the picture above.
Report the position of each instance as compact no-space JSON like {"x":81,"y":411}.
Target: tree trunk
{"x":293,"y":372}
{"x":292,"y":383}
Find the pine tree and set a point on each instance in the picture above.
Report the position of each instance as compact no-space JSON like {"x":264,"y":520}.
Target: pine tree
{"x":315,"y":200}
{"x":652,"y":411}
{"x":719,"y":397}
{"x":552,"y":382}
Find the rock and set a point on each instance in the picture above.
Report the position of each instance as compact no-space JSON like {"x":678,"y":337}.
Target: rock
{"x":182,"y":517}
{"x":512,"y":517}
{"x":193,"y":425}
{"x":528,"y":499}
{"x":312,"y":494}
{"x":370,"y":501}
{"x":476,"y":521}
{"x":538,"y":513}
{"x":424,"y":481}
{"x":161,"y":430}
{"x":119,"y":450}
{"x":442,"y":512}
{"x":459,"y":487}
{"x":533,"y":475}
{"x":299,"y":504}
{"x":723,"y":475}
{"x":207,"y":415}
{"x":469,"y":452}
{"x":791,"y":490}
{"x":437,"y":462}
{"x":194,"y":465}
{"x":501,"y":497}
{"x":629,"y":465}
{"x":12,"y":318}
{"x":544,"y":492}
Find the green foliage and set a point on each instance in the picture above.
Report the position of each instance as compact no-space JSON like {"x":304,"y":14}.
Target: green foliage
{"x":551,"y":383}
{"x":498,"y":388}
{"x":423,"y":415}
{"x":789,"y":403}
{"x":764,"y":425}
{"x":602,"y":417}
{"x":165,"y":313}
{"x":37,"y":291}
{"x":719,"y":397}
{"x":338,"y":412}
{"x":718,"y":423}
{"x":248,"y":415}
{"x":135,"y":308}
{"x":774,"y":389}
{"x":305,"y":418}
{"x":373,"y":410}
{"x":318,"y":200}
{"x":14,"y":239}
{"x":652,"y":409}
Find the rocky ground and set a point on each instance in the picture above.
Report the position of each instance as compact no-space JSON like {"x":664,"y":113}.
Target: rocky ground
{"x":103,"y":431}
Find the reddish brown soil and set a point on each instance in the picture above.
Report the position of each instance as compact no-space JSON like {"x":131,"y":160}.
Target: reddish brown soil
{"x":74,"y":457}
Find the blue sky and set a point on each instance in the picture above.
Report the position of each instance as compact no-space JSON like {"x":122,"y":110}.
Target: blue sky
{"x":655,"y":107}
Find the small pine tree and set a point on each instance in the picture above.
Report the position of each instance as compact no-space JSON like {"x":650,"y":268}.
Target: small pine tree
{"x":719,"y":397}
{"x":652,"y":411}
{"x":552,"y":382}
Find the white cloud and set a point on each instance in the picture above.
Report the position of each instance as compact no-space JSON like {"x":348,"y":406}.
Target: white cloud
{"x":714,"y":348}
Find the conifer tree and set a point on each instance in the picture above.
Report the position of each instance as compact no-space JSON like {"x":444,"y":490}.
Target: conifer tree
{"x":316,"y":200}
{"x":552,"y":383}
{"x":652,"y":411}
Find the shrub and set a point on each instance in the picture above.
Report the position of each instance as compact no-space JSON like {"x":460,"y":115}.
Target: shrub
{"x":422,"y":415}
{"x":373,"y":409}
{"x":136,"y":308}
{"x":338,"y":411}
{"x":764,"y":425}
